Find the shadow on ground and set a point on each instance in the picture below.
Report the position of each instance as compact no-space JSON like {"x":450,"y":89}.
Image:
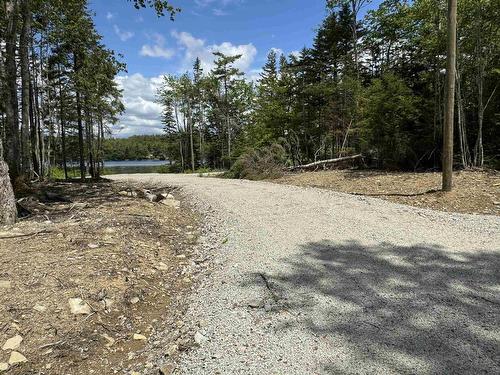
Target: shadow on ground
{"x":389,"y":309}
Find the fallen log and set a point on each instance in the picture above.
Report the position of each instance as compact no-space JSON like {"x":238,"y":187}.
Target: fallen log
{"x":323,"y":163}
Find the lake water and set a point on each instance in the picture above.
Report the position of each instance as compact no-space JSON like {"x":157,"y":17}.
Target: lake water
{"x":133,"y":166}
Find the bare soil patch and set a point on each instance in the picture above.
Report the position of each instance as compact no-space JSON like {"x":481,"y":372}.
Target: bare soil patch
{"x":125,"y":262}
{"x":474,"y":191}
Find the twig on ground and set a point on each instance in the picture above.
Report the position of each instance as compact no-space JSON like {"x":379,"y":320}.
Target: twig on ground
{"x":44,"y":231}
{"x":60,"y":342}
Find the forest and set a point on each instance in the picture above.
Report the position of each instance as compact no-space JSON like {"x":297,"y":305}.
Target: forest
{"x":58,"y":90}
{"x":317,"y":191}
{"x":370,"y":83}
{"x":373,"y":85}
{"x":137,"y":147}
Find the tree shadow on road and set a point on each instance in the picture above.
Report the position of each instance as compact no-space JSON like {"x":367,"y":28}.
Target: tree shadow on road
{"x":392,"y":309}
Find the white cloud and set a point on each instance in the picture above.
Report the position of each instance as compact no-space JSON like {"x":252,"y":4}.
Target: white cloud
{"x":219,"y":6}
{"x":194,"y":47}
{"x":158,"y":49}
{"x":122,"y":34}
{"x":204,"y":3}
{"x":219,"y":12}
{"x":142,"y":114}
{"x":109,"y":16}
{"x":253,"y":75}
{"x":277,"y":51}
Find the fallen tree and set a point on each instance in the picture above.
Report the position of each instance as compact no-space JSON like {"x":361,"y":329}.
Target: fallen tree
{"x":325,"y":163}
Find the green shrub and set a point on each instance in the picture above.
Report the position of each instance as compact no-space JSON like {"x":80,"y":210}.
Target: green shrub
{"x":56,"y":173}
{"x":259,"y":164}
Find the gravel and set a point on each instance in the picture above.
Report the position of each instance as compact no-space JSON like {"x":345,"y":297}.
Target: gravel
{"x":308,"y":281}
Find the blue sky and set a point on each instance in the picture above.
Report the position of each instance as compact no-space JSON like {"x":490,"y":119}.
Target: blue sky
{"x":154,"y":46}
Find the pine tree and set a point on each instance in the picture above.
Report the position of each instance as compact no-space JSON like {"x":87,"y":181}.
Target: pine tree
{"x":227,"y":75}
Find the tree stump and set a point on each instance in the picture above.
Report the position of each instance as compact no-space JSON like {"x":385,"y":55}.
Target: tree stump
{"x":8,"y":210}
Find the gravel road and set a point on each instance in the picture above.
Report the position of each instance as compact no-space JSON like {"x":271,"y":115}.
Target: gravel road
{"x":310,"y":281}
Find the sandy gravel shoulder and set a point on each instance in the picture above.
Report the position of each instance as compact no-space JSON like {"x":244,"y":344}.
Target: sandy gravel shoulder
{"x":474,"y":192}
{"x":320,"y":282}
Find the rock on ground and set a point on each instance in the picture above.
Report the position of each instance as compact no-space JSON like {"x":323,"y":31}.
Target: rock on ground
{"x":12,"y":343}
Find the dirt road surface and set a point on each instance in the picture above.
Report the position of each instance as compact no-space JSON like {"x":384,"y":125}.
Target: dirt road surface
{"x":310,"y":281}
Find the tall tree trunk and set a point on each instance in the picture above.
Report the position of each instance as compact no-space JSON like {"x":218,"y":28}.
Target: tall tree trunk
{"x":24,"y":42}
{"x":202,"y":148}
{"x":98,"y":156}
{"x":355,"y":10}
{"x":462,"y":130}
{"x":35,"y":141}
{"x":76,"y":67}
{"x":191,"y":142}
{"x":38,"y":103}
{"x":182,"y":153}
{"x":478,"y":148}
{"x":228,"y":121}
{"x":62,"y":120}
{"x":10,"y":99}
{"x":34,"y":123}
{"x":450,"y":96}
{"x":90,"y":142}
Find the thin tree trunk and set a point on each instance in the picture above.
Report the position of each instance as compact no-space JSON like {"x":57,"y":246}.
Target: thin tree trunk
{"x":355,"y":35}
{"x":478,"y":149}
{"x":39,"y":114}
{"x":182,"y":153}
{"x":11,"y":102}
{"x":35,"y":141}
{"x":462,"y":131}
{"x":102,"y":148}
{"x":25,"y":90}
{"x":62,"y":120}
{"x":202,"y":149}
{"x":76,"y":67}
{"x":228,"y":121}
{"x":190,"y":124}
{"x":98,"y":156}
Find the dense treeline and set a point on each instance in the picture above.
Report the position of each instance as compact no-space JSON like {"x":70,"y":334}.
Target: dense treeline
{"x":373,"y":85}
{"x":57,"y":89}
{"x":206,"y":115}
{"x":138,"y":147}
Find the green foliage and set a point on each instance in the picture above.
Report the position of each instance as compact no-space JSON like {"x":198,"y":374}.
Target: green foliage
{"x":373,"y":85}
{"x":56,"y":173}
{"x":390,"y":114}
{"x":140,"y":147}
{"x":259,"y":164}
{"x":160,"y":6}
{"x":204,"y":115}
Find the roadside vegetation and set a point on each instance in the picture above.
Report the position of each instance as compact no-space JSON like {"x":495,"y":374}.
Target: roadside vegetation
{"x":371,"y":86}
